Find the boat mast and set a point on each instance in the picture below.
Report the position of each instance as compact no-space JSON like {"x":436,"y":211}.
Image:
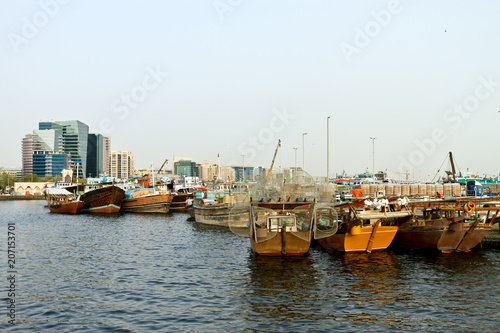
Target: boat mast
{"x":77,"y":189}
{"x":153,"y":174}
{"x":218,"y":167}
{"x":452,"y":167}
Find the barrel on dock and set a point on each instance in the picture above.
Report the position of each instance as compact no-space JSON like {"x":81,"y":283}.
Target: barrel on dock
{"x":389,"y":190}
{"x":413,"y":189}
{"x":397,"y":190}
{"x":439,"y":189}
{"x":448,"y":191}
{"x":422,"y":189}
{"x":431,"y":190}
{"x":405,"y":190}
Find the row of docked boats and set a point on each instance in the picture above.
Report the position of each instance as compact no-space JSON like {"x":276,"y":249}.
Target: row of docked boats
{"x":290,"y":228}
{"x":108,"y":198}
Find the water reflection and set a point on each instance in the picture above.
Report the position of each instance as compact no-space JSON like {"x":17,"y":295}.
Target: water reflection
{"x":281,"y":287}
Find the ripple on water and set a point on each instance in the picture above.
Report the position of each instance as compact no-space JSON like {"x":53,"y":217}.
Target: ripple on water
{"x":143,"y":273}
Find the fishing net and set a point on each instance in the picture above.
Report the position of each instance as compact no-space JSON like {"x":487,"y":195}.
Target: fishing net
{"x":326,"y":221}
{"x":239,"y":218}
{"x":260,"y":229}
{"x":290,"y":185}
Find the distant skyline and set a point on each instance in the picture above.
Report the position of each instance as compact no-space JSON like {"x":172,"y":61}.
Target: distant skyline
{"x":202,"y":78}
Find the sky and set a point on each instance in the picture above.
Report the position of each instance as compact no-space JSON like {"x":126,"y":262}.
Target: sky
{"x":205,"y":78}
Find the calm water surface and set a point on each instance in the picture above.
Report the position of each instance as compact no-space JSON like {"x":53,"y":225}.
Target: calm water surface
{"x":145,"y":273}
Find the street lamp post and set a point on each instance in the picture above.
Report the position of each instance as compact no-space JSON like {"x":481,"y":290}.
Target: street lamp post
{"x":295,"y":169}
{"x":243,"y":178}
{"x":328,"y":148}
{"x":303,"y":153}
{"x":373,"y":148}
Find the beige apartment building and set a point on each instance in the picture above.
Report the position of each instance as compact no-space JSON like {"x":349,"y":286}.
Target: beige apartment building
{"x":121,"y":164}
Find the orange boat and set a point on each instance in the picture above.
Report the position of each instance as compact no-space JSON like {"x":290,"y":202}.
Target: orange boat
{"x":365,"y":231}
{"x":146,"y":201}
{"x":62,"y":201}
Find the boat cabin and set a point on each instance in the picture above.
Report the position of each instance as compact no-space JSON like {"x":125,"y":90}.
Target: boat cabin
{"x":276,"y":222}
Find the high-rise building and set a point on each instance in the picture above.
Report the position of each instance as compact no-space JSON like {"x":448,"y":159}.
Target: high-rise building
{"x":95,"y":157}
{"x":27,"y":147}
{"x":121,"y":164}
{"x":47,"y":163}
{"x":227,"y":173}
{"x":106,"y":150}
{"x":74,"y":141}
{"x":186,"y":168}
{"x":66,"y":137}
{"x":75,"y":134}
{"x":48,"y":140}
{"x":243,"y":173}
{"x":208,"y":171}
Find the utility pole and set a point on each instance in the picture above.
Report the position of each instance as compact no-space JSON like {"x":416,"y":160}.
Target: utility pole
{"x":328,"y":149}
{"x":303,"y":153}
{"x":295,"y":169}
{"x":243,"y":177}
{"x":373,"y":148}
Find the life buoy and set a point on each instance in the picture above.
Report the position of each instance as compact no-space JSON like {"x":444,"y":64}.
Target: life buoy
{"x":201,"y":188}
{"x":217,"y":195}
{"x":470,"y":207}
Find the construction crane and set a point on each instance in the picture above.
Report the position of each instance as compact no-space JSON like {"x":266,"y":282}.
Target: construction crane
{"x":162,"y":166}
{"x":268,"y":175}
{"x":405,"y":173}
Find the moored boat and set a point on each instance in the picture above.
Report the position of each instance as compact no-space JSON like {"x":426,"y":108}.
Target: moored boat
{"x":281,"y":233}
{"x":365,"y":230}
{"x":102,"y":199}
{"x":62,"y":201}
{"x":221,"y":210}
{"x":455,"y":225}
{"x":146,"y":201}
{"x":181,"y":201}
{"x":290,"y":232}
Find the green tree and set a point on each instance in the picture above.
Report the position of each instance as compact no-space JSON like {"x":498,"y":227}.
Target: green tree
{"x":30,"y":178}
{"x":7,"y":181}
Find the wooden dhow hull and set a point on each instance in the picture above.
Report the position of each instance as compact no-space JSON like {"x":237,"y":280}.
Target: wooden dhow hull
{"x":281,"y":232}
{"x":369,"y":238}
{"x":221,"y":215}
{"x":150,"y":203}
{"x":281,"y":244}
{"x":66,"y":208}
{"x":456,"y":236}
{"x":449,"y":226}
{"x":180,"y":202}
{"x":104,"y":200}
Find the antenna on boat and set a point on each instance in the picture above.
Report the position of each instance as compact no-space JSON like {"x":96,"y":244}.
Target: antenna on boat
{"x":153,"y":174}
{"x":77,"y":189}
{"x":218,"y":167}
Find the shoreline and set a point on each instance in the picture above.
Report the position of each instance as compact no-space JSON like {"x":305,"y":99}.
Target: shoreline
{"x":21,"y":197}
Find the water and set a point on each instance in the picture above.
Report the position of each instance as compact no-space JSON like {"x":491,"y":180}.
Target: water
{"x":144,"y":273}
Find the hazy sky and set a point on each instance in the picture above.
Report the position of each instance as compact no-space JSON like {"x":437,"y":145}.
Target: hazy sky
{"x":231,"y":77}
